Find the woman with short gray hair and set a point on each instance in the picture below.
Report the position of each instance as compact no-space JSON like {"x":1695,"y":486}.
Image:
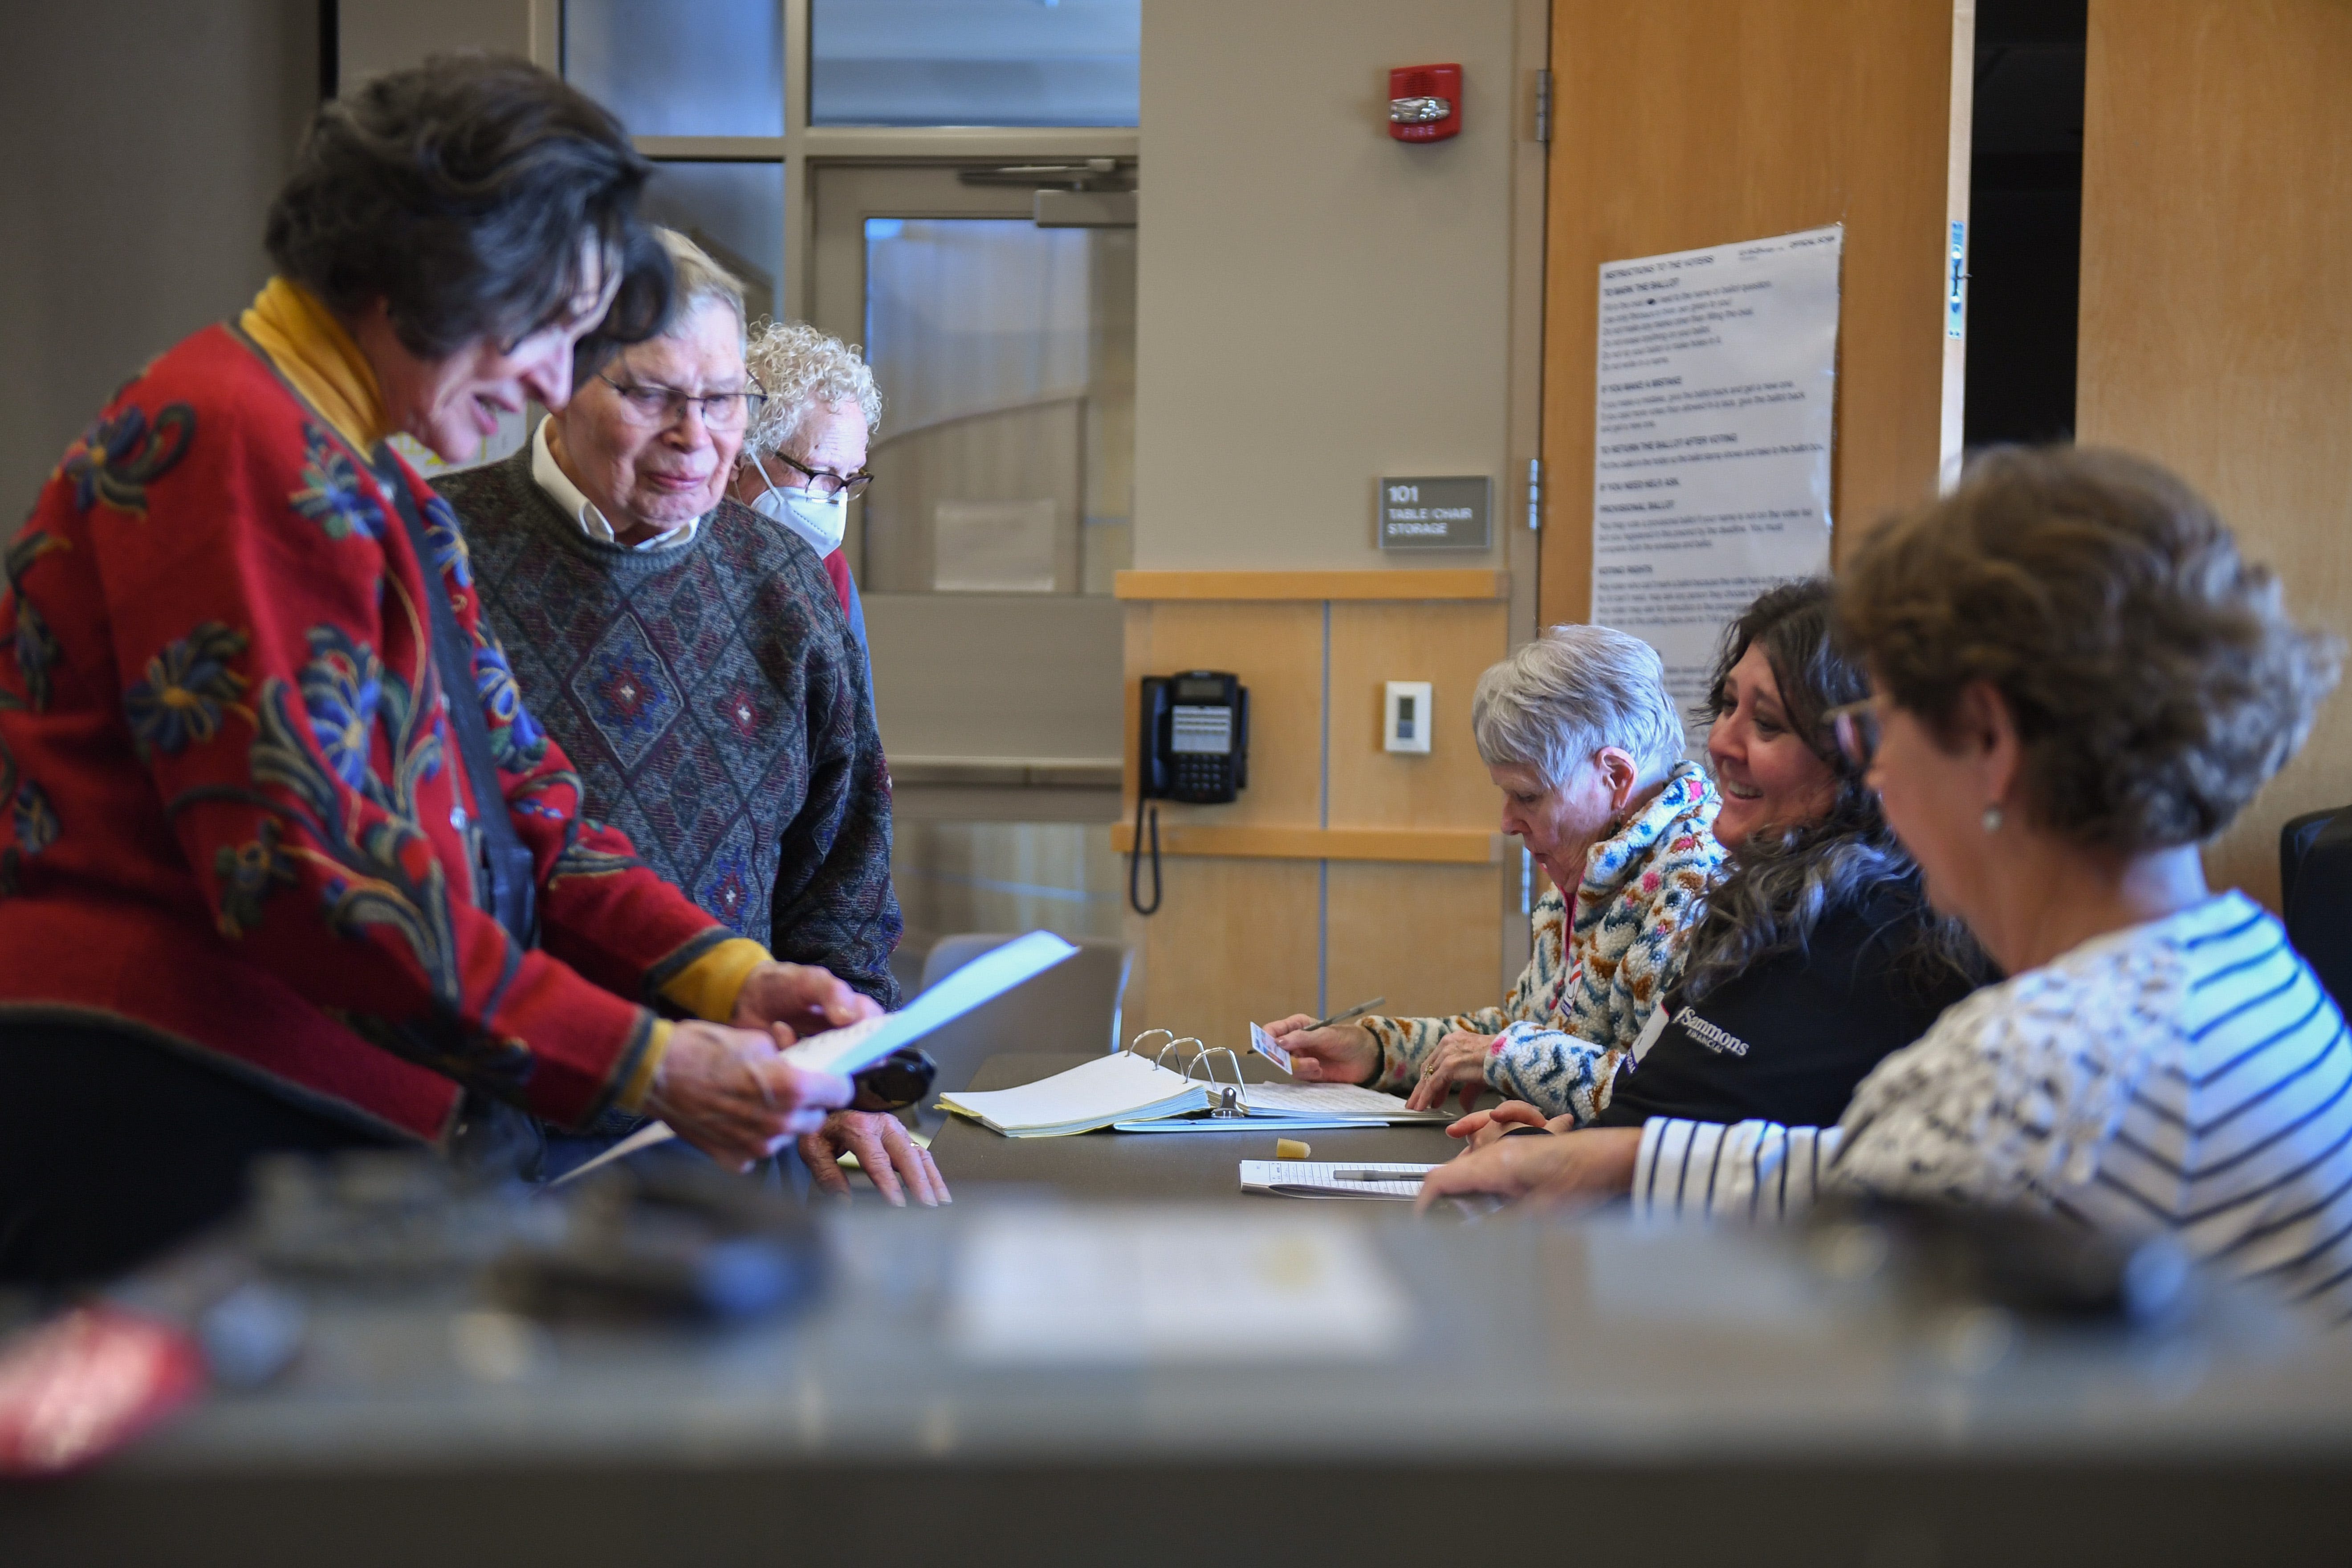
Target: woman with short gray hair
{"x":1579,"y":733}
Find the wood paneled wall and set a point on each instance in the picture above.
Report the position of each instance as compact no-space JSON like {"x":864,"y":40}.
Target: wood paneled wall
{"x":1680,"y":123}
{"x":1343,"y":871}
{"x":2217,"y":306}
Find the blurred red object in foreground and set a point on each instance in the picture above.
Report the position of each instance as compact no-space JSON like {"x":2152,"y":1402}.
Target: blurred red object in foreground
{"x":78,"y":1388}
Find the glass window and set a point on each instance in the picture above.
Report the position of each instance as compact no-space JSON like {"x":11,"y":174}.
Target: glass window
{"x":734,"y":211}
{"x":955,"y":877}
{"x":1004,"y":353}
{"x":680,"y":68}
{"x":975,"y":62}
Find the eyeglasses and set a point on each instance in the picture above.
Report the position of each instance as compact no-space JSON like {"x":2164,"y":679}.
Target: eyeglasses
{"x":824,"y":483}
{"x":660,"y":408}
{"x":1857,"y":728}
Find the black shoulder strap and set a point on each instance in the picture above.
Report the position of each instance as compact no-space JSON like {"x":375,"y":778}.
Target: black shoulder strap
{"x":505,"y":876}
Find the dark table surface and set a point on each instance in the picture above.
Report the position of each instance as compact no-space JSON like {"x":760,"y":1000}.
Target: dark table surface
{"x":1189,"y":1165}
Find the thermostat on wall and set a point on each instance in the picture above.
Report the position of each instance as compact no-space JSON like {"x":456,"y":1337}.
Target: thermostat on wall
{"x":1407,"y":728}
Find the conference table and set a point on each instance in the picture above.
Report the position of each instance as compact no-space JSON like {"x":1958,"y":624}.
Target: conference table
{"x":1102,"y":1352}
{"x":1194,"y":1166}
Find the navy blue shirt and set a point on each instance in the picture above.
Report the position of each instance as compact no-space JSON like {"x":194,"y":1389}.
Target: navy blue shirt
{"x":1788,"y":1039}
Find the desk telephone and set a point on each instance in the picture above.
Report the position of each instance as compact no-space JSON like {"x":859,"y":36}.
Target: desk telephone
{"x":1194,"y":747}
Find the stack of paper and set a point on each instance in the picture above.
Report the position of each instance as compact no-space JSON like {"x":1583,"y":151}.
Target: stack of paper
{"x":1127,"y":1092}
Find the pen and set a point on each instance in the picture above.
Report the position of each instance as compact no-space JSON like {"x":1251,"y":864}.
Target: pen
{"x":1377,"y":1175}
{"x":1359,"y":1008}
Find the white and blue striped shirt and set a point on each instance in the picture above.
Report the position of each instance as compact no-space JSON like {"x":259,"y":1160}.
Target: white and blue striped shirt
{"x":2189,"y":1074}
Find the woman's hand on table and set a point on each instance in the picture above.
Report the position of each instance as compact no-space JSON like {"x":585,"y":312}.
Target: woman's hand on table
{"x":794,"y":1001}
{"x":731,"y":1093}
{"x":893,"y":1162}
{"x":1459,"y":1063}
{"x":1590,"y":1164}
{"x":1483,"y":1127}
{"x":1340,"y":1053}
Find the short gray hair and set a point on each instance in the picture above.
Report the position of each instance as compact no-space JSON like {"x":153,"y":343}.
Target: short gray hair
{"x":1561,"y":699}
{"x":700,"y":281}
{"x":802,"y":369}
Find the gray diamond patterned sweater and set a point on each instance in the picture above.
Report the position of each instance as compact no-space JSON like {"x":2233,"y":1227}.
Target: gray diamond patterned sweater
{"x":716,"y":707}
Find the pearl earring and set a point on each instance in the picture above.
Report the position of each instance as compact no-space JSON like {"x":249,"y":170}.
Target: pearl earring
{"x":1992,"y":819}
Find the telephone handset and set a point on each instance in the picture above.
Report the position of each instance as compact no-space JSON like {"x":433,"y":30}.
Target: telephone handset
{"x":1193,"y":746}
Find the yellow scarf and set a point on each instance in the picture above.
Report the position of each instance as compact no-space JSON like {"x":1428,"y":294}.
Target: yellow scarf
{"x":311,"y":349}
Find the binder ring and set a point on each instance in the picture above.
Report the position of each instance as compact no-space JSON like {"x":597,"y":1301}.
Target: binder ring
{"x":1135,"y":1046}
{"x":1206,"y":1062}
{"x":1178,"y":1046}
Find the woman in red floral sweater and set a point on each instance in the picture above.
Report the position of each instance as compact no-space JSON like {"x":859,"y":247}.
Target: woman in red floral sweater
{"x":286,"y":863}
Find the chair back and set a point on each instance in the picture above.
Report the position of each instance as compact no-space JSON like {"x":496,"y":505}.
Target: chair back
{"x":2315,"y":894}
{"x":1072,"y":1006}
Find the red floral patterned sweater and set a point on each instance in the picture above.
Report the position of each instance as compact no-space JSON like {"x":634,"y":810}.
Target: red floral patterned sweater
{"x":239,"y":823}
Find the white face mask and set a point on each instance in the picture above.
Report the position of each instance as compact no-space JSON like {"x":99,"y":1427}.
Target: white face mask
{"x":821,"y":522}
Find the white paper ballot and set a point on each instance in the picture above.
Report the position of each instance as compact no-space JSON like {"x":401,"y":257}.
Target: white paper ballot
{"x":857,"y":1047}
{"x":985,"y":978}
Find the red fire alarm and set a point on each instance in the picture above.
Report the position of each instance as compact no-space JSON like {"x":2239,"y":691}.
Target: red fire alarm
{"x":1425,"y":102}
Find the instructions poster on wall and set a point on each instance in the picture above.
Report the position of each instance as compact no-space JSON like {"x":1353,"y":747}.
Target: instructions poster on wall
{"x":1711,"y":460}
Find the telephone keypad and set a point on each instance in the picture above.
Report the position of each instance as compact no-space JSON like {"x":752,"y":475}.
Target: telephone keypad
{"x":1203,"y":776}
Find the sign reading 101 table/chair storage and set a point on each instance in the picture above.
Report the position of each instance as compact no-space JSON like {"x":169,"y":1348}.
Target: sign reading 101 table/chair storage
{"x":1436,"y":514}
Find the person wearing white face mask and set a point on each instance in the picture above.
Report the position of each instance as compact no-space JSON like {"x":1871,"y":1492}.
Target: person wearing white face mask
{"x":803,"y":458}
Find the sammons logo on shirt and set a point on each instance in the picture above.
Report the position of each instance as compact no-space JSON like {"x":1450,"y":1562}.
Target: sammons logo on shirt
{"x":1713,"y":1038}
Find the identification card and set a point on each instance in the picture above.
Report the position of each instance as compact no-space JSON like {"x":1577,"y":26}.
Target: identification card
{"x":1263,"y":1044}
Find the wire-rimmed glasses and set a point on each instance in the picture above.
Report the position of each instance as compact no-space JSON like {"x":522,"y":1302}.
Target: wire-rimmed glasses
{"x":658,"y":407}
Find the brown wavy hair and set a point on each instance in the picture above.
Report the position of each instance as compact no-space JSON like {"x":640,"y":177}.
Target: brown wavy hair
{"x":2154,"y":678}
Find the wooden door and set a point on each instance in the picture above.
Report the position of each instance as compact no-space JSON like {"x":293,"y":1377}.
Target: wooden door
{"x":1680,"y":123}
{"x":2216,"y":307}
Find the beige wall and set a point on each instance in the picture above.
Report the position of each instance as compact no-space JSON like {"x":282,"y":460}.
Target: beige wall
{"x":144,"y":144}
{"x":1319,"y":305}
{"x":378,"y":36}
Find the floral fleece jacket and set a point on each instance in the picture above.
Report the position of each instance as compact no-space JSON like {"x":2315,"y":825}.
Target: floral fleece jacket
{"x":1588,"y":991}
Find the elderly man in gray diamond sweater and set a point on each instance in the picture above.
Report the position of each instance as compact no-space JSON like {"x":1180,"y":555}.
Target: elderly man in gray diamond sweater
{"x":691,"y":659}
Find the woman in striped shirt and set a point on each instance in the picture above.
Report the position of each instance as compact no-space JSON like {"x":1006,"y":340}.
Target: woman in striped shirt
{"x":2076,"y":681}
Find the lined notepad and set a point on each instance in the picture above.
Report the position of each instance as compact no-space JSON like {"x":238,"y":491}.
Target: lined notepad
{"x":1320,"y":1179}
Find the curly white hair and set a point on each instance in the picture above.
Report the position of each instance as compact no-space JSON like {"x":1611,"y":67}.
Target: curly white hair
{"x":802,"y":368}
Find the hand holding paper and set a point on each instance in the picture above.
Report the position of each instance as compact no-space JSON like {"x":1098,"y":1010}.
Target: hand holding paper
{"x":815,"y":1066}
{"x":804,"y":999}
{"x":734,"y":1096}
